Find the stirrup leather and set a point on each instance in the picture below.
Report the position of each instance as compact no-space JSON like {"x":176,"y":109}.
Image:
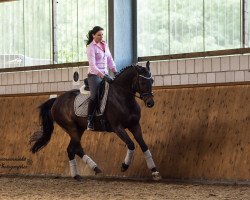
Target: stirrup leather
{"x":90,"y":125}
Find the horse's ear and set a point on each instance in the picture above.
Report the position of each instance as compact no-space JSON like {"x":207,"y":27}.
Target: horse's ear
{"x":147,"y":65}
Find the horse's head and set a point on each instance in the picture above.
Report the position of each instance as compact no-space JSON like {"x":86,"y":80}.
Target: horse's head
{"x":143,"y":85}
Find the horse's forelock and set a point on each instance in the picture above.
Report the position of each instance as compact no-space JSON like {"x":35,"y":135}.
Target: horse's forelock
{"x":142,"y":70}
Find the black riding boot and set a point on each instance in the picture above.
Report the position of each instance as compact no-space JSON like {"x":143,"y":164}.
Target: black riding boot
{"x":91,"y":110}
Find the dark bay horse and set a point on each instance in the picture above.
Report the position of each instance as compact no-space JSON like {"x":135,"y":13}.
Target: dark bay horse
{"x":122,"y":112}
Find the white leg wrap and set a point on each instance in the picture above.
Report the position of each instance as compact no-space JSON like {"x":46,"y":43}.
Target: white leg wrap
{"x":89,"y":162}
{"x":73,"y":168}
{"x":149,"y":159}
{"x":129,"y":156}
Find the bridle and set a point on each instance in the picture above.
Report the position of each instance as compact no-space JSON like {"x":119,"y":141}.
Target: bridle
{"x":144,"y":94}
{"x":136,"y":88}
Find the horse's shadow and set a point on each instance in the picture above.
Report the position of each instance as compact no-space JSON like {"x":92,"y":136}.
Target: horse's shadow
{"x":197,"y":153}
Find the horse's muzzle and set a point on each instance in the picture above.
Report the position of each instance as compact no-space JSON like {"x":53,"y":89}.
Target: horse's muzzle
{"x":149,"y":102}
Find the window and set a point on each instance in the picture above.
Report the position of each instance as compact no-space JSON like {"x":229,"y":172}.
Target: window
{"x":37,"y":32}
{"x":177,"y":26}
{"x":222,"y":24}
{"x":74,"y":19}
{"x":186,"y":26}
{"x":153,"y":27}
{"x":11,"y":34}
{"x":26,"y":30}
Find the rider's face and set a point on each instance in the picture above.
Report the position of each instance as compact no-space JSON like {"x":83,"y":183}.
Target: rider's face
{"x":98,"y":37}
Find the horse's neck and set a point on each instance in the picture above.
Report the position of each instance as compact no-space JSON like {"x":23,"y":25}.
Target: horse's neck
{"x":123,"y":101}
{"x":122,"y":87}
{"x":126,"y":80}
{"x":122,"y":93}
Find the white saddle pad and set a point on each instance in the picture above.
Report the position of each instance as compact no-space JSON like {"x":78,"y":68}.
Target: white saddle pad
{"x":82,"y":100}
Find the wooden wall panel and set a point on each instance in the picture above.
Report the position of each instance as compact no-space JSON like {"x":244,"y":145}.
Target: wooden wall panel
{"x":193,"y":133}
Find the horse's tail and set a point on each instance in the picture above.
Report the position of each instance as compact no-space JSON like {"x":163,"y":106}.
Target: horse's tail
{"x":42,"y":137}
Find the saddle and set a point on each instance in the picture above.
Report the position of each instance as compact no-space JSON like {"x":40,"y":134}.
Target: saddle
{"x":81,"y":105}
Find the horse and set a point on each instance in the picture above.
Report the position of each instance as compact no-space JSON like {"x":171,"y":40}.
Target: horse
{"x":121,"y":112}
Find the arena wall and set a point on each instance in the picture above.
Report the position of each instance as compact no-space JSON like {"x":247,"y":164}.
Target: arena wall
{"x":208,"y":70}
{"x":197,"y":132}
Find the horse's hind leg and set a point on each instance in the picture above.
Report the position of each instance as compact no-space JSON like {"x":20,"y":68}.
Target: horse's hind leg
{"x":136,"y":131}
{"x":86,"y":159}
{"x":122,"y":134}
{"x":72,"y":161}
{"x":75,"y":148}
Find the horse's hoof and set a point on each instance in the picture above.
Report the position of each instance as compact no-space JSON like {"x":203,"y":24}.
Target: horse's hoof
{"x":156,"y":176}
{"x":97,"y":171}
{"x":78,"y":177}
{"x":124,"y":167}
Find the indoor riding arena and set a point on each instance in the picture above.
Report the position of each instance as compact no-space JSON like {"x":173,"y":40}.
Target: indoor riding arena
{"x":188,"y":141}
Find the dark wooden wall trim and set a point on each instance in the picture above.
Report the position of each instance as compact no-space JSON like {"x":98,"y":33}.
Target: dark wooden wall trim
{"x":41,"y":67}
{"x":196,"y":54}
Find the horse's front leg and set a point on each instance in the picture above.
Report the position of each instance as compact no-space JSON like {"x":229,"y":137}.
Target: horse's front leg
{"x":122,"y":134}
{"x":137,"y":132}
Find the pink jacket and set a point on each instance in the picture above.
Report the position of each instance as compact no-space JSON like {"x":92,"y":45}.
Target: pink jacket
{"x":99,"y":59}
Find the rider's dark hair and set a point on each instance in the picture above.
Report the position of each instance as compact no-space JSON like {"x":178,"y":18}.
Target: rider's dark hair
{"x":91,"y":33}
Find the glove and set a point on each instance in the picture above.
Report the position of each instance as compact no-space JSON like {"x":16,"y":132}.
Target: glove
{"x":108,"y":79}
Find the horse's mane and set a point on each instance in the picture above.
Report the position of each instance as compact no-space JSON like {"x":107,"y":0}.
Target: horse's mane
{"x":123,"y":70}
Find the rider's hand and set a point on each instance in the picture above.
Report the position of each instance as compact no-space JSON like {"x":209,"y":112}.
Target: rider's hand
{"x":108,"y":79}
